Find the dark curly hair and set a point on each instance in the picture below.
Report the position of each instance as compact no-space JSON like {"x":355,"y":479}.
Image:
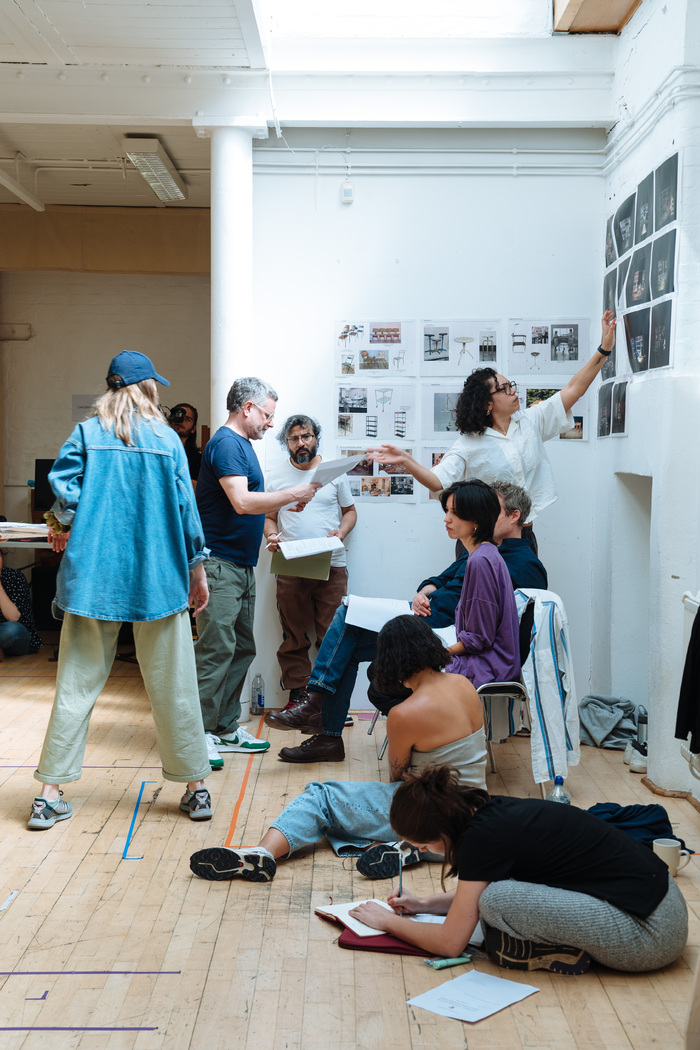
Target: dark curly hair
{"x":434,"y":804}
{"x":191,"y":440}
{"x":405,"y":646}
{"x":474,"y":500}
{"x":472,"y":414}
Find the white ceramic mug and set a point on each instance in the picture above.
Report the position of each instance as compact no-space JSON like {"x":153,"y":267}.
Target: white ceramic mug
{"x":672,"y":854}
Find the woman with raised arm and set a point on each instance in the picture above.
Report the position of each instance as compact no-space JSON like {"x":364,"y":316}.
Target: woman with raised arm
{"x":552,"y":885}
{"x":498,"y":441}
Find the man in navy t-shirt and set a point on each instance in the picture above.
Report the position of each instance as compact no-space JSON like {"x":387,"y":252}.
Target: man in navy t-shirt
{"x":232,"y":505}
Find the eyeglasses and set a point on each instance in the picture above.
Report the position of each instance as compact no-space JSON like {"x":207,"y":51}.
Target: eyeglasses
{"x":300,"y":439}
{"x":505,"y":388}
{"x":269,"y":416}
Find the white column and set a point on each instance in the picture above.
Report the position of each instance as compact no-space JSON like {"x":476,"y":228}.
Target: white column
{"x":231,"y":262}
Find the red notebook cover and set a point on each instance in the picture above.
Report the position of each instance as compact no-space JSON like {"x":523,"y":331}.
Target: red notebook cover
{"x":383,"y":942}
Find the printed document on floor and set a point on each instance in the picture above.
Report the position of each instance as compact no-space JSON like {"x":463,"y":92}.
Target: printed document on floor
{"x":472,"y":996}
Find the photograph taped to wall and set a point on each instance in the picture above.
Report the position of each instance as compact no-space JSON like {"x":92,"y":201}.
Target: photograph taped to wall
{"x":663,"y":257}
{"x":372,"y":348}
{"x":531,"y":395}
{"x":610,"y":291}
{"x":351,"y":399}
{"x":439,"y":410}
{"x":619,"y":410}
{"x":430,"y":456}
{"x":391,"y":413}
{"x":623,"y":225}
{"x":622,"y":272}
{"x":604,"y":410}
{"x":660,"y":339}
{"x":456,"y":347}
{"x":610,"y":253}
{"x":609,"y":368}
{"x":370,"y":481}
{"x":666,"y":192}
{"x":637,"y":336}
{"x":637,"y":287}
{"x":644,"y":222}
{"x":547,"y":347}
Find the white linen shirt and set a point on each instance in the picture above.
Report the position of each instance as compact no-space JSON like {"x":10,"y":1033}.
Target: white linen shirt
{"x":518,"y":456}
{"x":320,"y":516}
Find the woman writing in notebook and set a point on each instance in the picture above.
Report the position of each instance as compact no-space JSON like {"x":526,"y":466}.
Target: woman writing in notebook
{"x":552,"y":885}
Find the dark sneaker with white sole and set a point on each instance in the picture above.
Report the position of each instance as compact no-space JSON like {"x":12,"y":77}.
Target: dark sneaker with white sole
{"x":514,"y":954}
{"x":385,"y":860}
{"x":218,"y":863}
{"x":45,"y":814}
{"x":197,"y":804}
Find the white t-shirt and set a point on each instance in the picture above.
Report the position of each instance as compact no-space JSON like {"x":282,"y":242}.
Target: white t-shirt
{"x":518,"y":456}
{"x":320,"y":516}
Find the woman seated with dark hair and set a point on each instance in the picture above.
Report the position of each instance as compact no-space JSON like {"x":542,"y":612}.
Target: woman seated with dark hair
{"x":18,"y":634}
{"x":441,"y":721}
{"x":553,"y":886}
{"x":486,"y":620}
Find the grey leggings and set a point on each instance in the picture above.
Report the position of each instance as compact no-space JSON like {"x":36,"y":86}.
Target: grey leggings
{"x":552,"y":916}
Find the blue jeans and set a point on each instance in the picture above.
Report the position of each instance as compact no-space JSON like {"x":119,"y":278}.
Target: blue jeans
{"x":15,"y":639}
{"x":352,"y":815}
{"x":335,"y":670}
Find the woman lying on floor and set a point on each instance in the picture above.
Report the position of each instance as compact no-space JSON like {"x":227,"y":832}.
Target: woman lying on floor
{"x":441,"y":721}
{"x":553,"y":886}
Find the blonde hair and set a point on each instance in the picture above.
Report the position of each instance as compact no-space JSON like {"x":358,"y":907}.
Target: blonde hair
{"x":118,"y":410}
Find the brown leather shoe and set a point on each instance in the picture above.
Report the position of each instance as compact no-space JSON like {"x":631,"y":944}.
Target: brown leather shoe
{"x":305,"y":716}
{"x":296,"y":696}
{"x":319,"y":748}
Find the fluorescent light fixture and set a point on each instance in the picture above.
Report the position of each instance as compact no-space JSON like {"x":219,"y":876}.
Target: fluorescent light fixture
{"x":150,"y":160}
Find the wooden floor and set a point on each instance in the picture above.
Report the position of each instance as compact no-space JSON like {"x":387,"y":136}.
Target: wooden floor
{"x":98,"y":951}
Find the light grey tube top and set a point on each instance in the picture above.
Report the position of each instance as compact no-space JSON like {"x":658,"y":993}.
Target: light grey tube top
{"x":468,"y":755}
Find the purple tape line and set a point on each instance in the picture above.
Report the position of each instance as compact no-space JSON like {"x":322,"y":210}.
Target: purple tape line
{"x":81,"y":973}
{"x":41,"y":1028}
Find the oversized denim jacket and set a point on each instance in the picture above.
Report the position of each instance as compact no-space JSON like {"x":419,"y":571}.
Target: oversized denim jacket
{"x":135,"y":528}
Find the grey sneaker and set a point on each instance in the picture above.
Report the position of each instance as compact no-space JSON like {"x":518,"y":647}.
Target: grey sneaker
{"x":218,"y":863}
{"x":45,"y":814}
{"x":382,"y":861}
{"x":197,"y":804}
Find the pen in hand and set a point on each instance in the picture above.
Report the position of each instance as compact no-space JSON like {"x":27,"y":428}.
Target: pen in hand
{"x":400,"y":880}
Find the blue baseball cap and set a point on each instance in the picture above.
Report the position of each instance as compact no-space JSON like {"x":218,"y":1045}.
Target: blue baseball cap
{"x":133,"y":367}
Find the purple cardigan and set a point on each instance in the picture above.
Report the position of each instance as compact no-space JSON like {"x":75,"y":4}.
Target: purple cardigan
{"x":487,"y":621}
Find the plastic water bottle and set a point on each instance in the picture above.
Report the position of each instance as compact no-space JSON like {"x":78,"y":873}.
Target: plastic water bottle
{"x":559,"y":792}
{"x":257,"y":696}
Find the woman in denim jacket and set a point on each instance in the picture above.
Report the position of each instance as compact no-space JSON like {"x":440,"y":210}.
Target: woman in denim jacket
{"x":126,"y":518}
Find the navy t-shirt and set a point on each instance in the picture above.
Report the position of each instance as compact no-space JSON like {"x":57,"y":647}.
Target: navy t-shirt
{"x":533,"y":840}
{"x":229,"y":535}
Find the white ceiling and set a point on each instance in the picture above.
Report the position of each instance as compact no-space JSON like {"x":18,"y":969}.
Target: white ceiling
{"x":76,"y":76}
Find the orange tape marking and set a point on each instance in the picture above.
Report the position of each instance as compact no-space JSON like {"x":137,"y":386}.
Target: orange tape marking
{"x":241,"y":794}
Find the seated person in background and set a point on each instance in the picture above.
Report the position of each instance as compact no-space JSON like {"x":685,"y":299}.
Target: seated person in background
{"x":486,"y":619}
{"x":18,"y":635}
{"x":441,"y":721}
{"x":183,"y":419}
{"x":524,"y":567}
{"x":553,"y":886}
{"x":345,"y":646}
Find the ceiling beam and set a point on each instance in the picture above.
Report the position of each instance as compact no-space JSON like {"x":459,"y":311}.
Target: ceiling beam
{"x":248,"y":15}
{"x":19,"y":191}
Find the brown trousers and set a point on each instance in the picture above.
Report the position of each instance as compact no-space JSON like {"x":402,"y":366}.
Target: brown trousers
{"x":303,"y":605}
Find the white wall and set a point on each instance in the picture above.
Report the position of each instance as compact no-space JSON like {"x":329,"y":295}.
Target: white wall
{"x":647,"y":506}
{"x":415,"y":247}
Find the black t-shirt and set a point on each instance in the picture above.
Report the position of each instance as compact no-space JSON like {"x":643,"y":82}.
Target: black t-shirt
{"x":532,"y":840}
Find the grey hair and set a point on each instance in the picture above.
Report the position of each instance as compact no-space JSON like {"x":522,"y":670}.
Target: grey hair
{"x":297,"y":421}
{"x":514,"y":498}
{"x":250,"y":388}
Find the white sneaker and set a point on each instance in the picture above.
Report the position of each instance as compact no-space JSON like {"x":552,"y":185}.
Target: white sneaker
{"x":629,"y":751}
{"x":638,"y":762}
{"x":243,"y":741}
{"x":215,"y":759}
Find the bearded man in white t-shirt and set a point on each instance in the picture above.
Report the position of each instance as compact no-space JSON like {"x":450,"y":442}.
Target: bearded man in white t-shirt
{"x":305,"y":604}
